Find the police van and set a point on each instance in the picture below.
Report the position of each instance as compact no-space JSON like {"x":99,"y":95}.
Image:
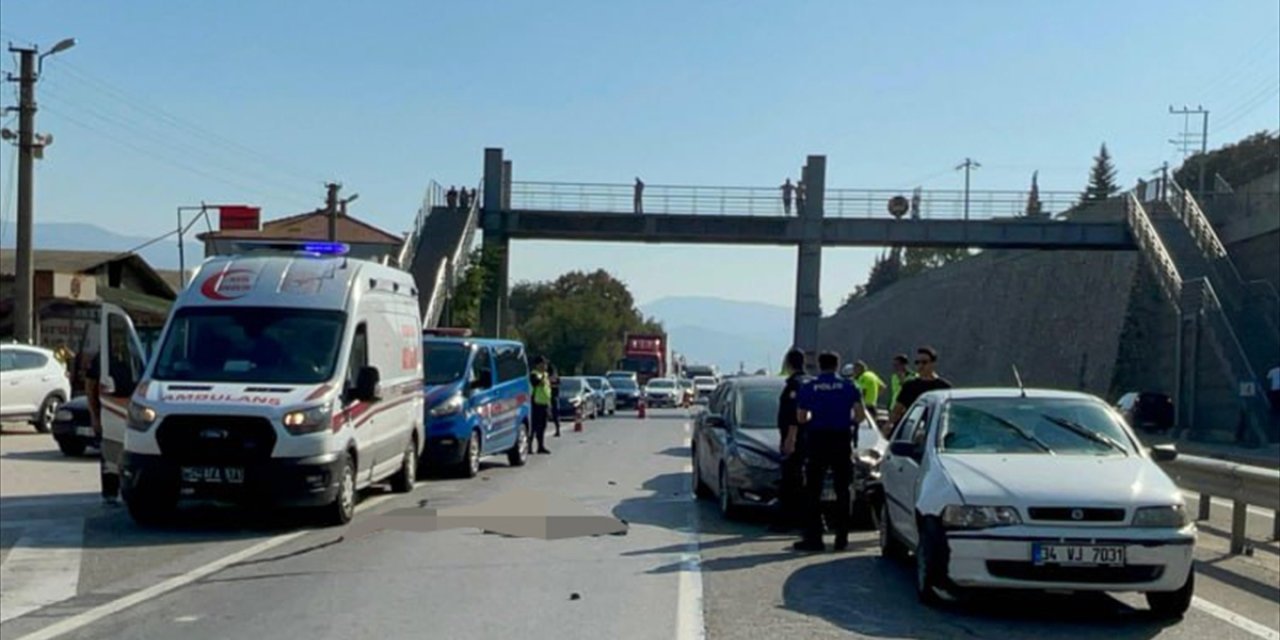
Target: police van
{"x":287,"y":374}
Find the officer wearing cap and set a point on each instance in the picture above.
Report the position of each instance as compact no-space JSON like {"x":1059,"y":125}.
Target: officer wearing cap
{"x":828,"y":409}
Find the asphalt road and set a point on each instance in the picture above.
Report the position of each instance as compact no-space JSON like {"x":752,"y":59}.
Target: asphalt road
{"x":75,"y":569}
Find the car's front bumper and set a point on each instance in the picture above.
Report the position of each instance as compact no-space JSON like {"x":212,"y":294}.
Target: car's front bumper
{"x":1155,"y":560}
{"x":301,"y":482}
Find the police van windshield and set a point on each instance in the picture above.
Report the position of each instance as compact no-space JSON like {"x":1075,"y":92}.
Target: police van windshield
{"x":443,"y":362}
{"x":251,"y":344}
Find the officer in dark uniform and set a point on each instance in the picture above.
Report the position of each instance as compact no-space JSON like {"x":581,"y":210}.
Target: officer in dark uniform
{"x":791,"y":496}
{"x":828,"y":409}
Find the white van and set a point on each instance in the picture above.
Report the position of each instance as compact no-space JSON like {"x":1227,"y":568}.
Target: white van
{"x":289,"y":374}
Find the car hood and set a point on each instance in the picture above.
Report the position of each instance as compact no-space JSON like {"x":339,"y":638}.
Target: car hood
{"x":766,"y":442}
{"x":437,"y":393}
{"x":1043,"y":480}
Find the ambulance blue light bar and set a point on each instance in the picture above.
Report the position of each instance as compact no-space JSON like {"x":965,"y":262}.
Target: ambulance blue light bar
{"x":312,"y":248}
{"x":327,"y":248}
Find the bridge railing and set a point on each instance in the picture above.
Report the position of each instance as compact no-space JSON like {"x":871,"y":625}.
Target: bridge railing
{"x":768,"y":201}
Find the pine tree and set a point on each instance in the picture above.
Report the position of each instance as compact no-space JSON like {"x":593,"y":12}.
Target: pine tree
{"x":1102,"y":178}
{"x":1034,"y":206}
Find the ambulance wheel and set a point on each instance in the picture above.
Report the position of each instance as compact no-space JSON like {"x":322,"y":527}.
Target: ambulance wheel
{"x":402,"y":481}
{"x":519,"y":454}
{"x":148,"y":506}
{"x":343,"y":507}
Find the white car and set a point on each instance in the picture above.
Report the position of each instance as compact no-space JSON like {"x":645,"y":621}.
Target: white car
{"x":662,"y":392}
{"x":33,"y":384}
{"x":704,"y":385}
{"x":1033,"y":489}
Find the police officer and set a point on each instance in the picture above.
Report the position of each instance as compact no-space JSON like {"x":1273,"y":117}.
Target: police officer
{"x":793,"y":451}
{"x":828,"y":408}
{"x":554,"y":376}
{"x":540,"y":384}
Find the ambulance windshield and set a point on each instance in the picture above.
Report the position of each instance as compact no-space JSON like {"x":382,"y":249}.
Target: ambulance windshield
{"x":251,"y":344}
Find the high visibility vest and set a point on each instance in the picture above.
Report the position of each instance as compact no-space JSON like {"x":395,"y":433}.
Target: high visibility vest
{"x":895,"y":385}
{"x":541,"y":388}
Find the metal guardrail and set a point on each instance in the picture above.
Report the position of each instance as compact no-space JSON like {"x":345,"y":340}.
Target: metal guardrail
{"x":768,"y":201}
{"x":1243,"y":485}
{"x":1149,"y":243}
{"x":433,"y":197}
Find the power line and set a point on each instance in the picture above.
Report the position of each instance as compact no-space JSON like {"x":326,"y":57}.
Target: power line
{"x":1250,"y":105}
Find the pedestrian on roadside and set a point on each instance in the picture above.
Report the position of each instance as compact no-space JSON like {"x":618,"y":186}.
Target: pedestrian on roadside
{"x":464,"y":199}
{"x":901,"y":373}
{"x":554,"y":376}
{"x":869,"y":385}
{"x":927,"y":380}
{"x":791,"y":495}
{"x":788,"y":190}
{"x":90,"y":371}
{"x":800,"y":196}
{"x":541,"y":383}
{"x":1273,"y":390}
{"x":451,"y":197}
{"x":828,"y":410}
{"x":637,"y":203}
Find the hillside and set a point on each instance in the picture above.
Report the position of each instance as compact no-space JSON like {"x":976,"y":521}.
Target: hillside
{"x":76,"y":236}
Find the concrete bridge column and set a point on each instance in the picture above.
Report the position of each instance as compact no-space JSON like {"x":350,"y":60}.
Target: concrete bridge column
{"x":808,"y":307}
{"x":497,"y":178}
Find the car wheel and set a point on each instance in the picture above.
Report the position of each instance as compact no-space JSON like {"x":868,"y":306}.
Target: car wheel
{"x":891,"y":546}
{"x":700,"y":489}
{"x":71,"y":446}
{"x":403,"y":481}
{"x":931,"y":563}
{"x":48,"y":411}
{"x":343,"y":507}
{"x":519,"y":454}
{"x":1173,"y":604}
{"x":727,"y":508}
{"x":470,"y":466}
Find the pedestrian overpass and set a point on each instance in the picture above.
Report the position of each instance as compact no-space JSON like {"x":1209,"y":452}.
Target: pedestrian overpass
{"x":1228,"y":327}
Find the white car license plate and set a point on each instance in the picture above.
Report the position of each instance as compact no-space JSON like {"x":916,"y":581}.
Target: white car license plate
{"x":84,"y":431}
{"x":1079,"y":555}
{"x":213,"y":475}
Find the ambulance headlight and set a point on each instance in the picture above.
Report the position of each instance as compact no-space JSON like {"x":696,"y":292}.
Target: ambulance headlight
{"x":141,"y":417}
{"x":311,"y":420}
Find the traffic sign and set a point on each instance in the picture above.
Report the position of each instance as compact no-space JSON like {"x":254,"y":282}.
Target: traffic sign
{"x":898,"y":206}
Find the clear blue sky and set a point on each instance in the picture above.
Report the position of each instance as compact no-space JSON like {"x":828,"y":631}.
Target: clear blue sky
{"x":385,"y":96}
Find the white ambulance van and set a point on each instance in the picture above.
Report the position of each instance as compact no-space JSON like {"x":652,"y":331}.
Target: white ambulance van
{"x":288,"y":374}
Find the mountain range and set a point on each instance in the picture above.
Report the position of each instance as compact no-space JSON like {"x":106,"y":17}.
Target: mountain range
{"x":726,"y":333}
{"x":77,"y":236}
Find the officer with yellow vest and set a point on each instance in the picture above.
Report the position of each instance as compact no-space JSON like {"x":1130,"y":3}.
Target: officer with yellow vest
{"x":540,"y":382}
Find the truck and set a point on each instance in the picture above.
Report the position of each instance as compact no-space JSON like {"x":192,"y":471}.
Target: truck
{"x":646,"y":354}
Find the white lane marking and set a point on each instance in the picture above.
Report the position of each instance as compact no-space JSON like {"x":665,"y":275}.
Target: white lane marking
{"x":85,"y":618}
{"x":42,"y":568}
{"x":688,"y":428}
{"x":688,"y":442}
{"x":1257,"y":511}
{"x":1234,"y":619}
{"x":689,"y":617}
{"x":186,"y":618}
{"x":55,"y":501}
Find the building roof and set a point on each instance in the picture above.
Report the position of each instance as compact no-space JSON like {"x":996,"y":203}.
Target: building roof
{"x":310,"y":226}
{"x":66,"y":261}
{"x":172,"y":277}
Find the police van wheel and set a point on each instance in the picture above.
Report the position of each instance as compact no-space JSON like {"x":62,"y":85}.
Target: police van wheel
{"x":519,"y":454}
{"x":403,"y":481}
{"x":470,"y":466}
{"x":343,"y":507}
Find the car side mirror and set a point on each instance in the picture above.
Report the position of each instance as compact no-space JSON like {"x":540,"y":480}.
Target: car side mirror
{"x":904,"y":449}
{"x":367,"y":382}
{"x":716,"y":422}
{"x":1164,"y":453}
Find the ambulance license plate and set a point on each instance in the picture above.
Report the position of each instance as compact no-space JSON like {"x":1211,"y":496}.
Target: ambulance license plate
{"x":213,"y":475}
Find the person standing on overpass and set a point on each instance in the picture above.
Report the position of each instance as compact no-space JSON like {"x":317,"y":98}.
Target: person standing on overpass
{"x":638,"y":199}
{"x":792,"y":494}
{"x":927,"y":380}
{"x":788,"y":190}
{"x":828,"y":409}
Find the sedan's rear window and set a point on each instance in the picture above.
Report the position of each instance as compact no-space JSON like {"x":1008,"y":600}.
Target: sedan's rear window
{"x":1057,"y":426}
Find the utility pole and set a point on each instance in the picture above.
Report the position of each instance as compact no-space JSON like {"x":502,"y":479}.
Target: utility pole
{"x":331,"y":207}
{"x":1204,"y":138}
{"x":968,"y":165}
{"x":28,"y":73}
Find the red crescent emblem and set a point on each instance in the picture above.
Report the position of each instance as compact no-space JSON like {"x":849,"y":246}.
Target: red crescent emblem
{"x":210,"y":286}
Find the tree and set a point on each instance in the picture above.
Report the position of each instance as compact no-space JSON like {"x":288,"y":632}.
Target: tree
{"x":917,"y":260}
{"x":1034,"y":206}
{"x":477,"y":281}
{"x":579,"y":320}
{"x":1239,"y":164}
{"x":886,"y":271}
{"x":1102,"y":178}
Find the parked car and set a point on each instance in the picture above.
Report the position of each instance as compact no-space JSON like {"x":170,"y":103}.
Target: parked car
{"x":33,"y":384}
{"x":576,"y":395}
{"x":606,"y":396}
{"x":737,"y":458}
{"x":1147,"y":410}
{"x":73,"y":428}
{"x":1031,"y":489}
{"x":662,"y":392}
{"x":626,"y":392}
{"x":477,"y":402}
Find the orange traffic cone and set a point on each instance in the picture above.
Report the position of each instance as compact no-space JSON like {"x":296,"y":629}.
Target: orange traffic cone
{"x":577,"y":420}
{"x":640,"y":408}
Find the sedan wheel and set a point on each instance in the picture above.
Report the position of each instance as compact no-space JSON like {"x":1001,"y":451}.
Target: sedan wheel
{"x":48,"y":412}
{"x":727,"y":508}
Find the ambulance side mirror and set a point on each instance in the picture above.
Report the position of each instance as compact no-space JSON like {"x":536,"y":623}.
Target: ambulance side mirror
{"x":367,"y":381}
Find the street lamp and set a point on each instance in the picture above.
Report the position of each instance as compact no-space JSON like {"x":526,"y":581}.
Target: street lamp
{"x":63,"y":45}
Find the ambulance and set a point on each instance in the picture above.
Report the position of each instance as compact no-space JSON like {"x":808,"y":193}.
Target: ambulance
{"x":288,"y":374}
